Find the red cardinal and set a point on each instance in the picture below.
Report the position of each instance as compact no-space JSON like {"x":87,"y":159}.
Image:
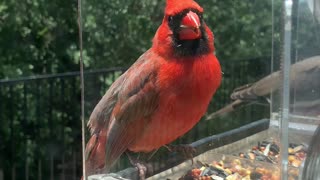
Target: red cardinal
{"x":162,"y":95}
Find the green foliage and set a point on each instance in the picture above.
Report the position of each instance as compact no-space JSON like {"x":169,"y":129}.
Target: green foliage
{"x":240,"y":32}
{"x":41,"y":37}
{"x":123,"y":31}
{"x":37,"y":37}
{"x":116,"y":33}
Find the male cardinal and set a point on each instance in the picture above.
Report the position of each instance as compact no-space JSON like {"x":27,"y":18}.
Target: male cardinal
{"x":162,"y":95}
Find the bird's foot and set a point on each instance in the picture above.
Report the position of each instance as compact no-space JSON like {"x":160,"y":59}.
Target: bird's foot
{"x":142,"y":168}
{"x":187,"y":150}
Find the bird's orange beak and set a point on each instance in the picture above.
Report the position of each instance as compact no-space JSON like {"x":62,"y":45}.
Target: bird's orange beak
{"x":190,"y":27}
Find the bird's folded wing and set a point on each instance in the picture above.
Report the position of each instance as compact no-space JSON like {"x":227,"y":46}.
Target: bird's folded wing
{"x":133,"y":100}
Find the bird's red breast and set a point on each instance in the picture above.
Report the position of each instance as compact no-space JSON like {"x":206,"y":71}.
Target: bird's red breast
{"x":186,"y":90}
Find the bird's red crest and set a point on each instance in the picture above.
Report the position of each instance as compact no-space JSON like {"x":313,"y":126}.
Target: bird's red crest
{"x":175,"y":6}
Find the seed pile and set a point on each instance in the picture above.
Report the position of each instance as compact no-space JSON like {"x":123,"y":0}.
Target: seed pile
{"x":234,"y":170}
{"x":268,"y":151}
{"x":241,"y":169}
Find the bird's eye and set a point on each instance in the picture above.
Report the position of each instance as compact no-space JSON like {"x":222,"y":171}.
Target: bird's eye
{"x":169,"y":18}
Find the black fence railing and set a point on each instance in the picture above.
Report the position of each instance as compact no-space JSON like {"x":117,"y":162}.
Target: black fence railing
{"x":40,"y":133}
{"x":40,"y":127}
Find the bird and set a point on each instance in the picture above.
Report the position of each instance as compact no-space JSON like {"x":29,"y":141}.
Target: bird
{"x":304,"y":90}
{"x":162,"y":95}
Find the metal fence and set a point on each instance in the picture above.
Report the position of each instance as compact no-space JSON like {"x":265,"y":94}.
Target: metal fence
{"x":40,"y":133}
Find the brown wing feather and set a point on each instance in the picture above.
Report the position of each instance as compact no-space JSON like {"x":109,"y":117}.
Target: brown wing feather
{"x":102,"y":112}
{"x":137,"y":101}
{"x":125,"y":109}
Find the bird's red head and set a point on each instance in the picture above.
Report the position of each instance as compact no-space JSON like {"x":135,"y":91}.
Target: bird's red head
{"x":183,"y":31}
{"x":190,"y":22}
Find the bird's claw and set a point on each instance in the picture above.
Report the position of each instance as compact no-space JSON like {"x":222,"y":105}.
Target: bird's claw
{"x":142,"y":170}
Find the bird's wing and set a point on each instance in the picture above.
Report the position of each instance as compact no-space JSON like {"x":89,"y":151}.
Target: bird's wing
{"x":131,"y":101}
{"x":227,"y":109}
{"x":304,"y":77}
{"x":304,"y":81}
{"x":100,"y":116}
{"x":303,"y":74}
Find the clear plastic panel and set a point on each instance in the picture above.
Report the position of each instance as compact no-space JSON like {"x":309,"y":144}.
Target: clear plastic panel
{"x":249,"y":44}
{"x":305,"y":89}
{"x":295,"y":108}
{"x":116,"y":33}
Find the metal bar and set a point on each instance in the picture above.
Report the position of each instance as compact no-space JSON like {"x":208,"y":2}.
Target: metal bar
{"x":25,"y":105}
{"x":13,"y":171}
{"x":63,"y":167}
{"x":11,"y":132}
{"x":25,"y":125}
{"x":37,"y":130}
{"x":39,"y":169}
{"x":285,"y":70}
{"x":50,"y":121}
{"x":99,"y":71}
{"x":1,"y":174}
{"x":50,"y":107}
{"x":26,"y":167}
{"x":62,"y":124}
{"x":61,"y":75}
{"x":74,"y":167}
{"x":1,"y":135}
{"x":201,"y":146}
{"x":79,"y":8}
{"x":51,"y":165}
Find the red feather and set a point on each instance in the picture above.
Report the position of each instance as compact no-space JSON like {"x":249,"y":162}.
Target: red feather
{"x":175,"y":6}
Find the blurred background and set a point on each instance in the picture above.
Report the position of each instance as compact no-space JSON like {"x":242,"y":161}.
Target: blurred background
{"x":40,"y":123}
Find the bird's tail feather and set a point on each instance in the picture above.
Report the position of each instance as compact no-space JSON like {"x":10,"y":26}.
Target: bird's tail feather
{"x":95,"y":153}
